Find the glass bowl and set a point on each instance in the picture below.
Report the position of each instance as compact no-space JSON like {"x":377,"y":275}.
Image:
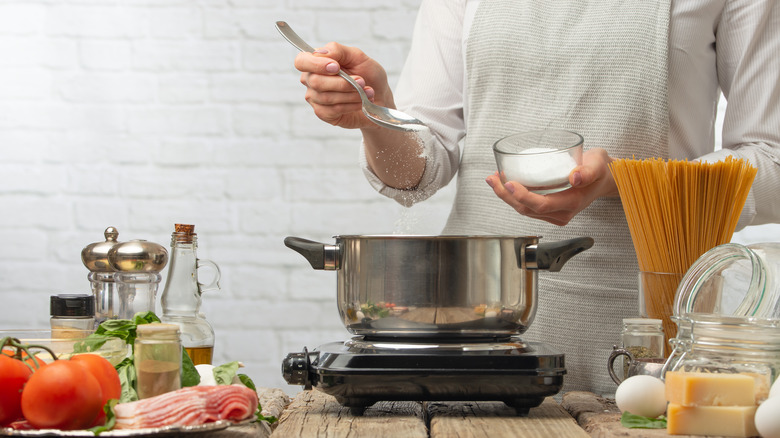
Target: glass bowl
{"x":540,"y":160}
{"x":114,"y":349}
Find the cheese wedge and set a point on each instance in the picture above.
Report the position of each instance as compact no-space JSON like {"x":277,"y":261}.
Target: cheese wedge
{"x":710,"y":389}
{"x":737,"y":421}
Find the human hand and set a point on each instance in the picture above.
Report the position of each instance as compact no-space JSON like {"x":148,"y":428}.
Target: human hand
{"x":589,"y":181}
{"x":333,"y":99}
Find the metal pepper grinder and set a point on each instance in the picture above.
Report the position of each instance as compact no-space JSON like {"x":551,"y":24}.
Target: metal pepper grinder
{"x":137,"y":265}
{"x":101,"y":276}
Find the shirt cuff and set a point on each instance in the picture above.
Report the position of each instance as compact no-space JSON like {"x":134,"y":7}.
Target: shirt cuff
{"x":406,"y":197}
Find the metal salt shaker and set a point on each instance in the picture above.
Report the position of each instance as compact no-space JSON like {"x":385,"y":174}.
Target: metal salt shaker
{"x":137,"y":265}
{"x":101,"y":276}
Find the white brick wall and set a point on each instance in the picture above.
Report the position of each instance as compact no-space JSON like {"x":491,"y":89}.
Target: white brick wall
{"x":140,"y":114}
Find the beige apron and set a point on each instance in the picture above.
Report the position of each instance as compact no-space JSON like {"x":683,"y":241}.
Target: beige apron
{"x":595,"y":67}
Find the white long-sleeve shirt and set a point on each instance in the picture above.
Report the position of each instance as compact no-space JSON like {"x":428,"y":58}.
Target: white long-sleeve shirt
{"x":728,"y":46}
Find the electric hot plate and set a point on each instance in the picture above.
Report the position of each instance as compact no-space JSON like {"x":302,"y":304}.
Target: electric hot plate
{"x":363,"y":371}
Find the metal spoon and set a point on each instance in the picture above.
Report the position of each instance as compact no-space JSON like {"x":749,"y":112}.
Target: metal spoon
{"x":387,"y":117}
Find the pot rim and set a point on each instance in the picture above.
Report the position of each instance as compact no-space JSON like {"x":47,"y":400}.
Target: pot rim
{"x":431,"y":237}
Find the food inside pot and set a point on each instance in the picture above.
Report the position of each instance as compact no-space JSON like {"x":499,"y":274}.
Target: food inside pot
{"x":389,"y":316}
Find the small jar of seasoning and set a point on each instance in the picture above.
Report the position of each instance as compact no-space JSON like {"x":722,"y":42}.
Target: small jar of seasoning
{"x":643,"y":338}
{"x":71,"y":315}
{"x":157,"y":359}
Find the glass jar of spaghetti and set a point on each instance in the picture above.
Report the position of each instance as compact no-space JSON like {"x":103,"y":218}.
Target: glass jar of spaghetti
{"x":728,"y":344}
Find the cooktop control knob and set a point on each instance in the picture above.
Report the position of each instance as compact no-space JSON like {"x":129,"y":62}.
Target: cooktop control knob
{"x":295,"y":369}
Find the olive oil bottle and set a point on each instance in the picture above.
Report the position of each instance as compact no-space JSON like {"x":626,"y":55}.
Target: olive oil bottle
{"x":181,"y":297}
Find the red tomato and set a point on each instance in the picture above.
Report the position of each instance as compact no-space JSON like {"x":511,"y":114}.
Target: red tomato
{"x":62,"y":395}
{"x":10,"y":352}
{"x":13,"y":375}
{"x":107,"y":377}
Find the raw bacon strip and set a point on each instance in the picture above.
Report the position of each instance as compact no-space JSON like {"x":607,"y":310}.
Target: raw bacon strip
{"x":188,"y":407}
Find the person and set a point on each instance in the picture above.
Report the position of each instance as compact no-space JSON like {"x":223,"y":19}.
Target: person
{"x":636,"y":79}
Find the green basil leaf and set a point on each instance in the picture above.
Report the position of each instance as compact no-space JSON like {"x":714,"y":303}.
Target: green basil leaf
{"x":260,"y":417}
{"x":225,"y":373}
{"x":638,"y":422}
{"x":93,"y":342}
{"x":189,"y":374}
{"x":247,"y":382}
{"x":127,"y":377}
{"x":108,"y":408}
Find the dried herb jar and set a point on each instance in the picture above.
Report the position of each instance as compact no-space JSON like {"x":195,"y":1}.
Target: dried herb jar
{"x":728,"y":344}
{"x":643,"y":338}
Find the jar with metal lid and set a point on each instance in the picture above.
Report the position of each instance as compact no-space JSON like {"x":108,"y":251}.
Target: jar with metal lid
{"x":101,"y":275}
{"x":71,"y":314}
{"x":137,"y":264}
{"x":729,"y":344}
{"x":733,"y":279}
{"x":730,"y":280}
{"x":157,"y":358}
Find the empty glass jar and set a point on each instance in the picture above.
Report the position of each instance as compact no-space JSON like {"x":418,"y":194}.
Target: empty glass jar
{"x":729,"y":344}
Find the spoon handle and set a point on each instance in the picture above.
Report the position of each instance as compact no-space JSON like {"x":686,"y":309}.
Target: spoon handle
{"x":303,"y":46}
{"x":293,"y":37}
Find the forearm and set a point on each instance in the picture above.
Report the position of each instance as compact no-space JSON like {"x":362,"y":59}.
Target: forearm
{"x":396,"y":157}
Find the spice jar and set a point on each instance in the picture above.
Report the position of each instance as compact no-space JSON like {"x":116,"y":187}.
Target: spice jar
{"x":71,"y":315}
{"x":729,"y":344}
{"x":157,"y":359}
{"x":643,"y":338}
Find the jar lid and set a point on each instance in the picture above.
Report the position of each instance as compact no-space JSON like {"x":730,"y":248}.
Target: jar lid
{"x":157,"y":329}
{"x":729,"y":279}
{"x":95,"y":255}
{"x":183,"y":233}
{"x":137,"y":256}
{"x":72,"y":305}
{"x":642,"y":321}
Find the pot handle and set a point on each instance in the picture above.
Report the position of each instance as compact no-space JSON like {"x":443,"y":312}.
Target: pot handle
{"x":319,"y":255}
{"x":552,"y":256}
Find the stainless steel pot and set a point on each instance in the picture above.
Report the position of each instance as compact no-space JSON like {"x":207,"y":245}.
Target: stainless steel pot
{"x":437,"y":286}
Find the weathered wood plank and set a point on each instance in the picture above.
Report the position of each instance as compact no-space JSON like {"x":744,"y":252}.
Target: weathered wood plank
{"x":600,"y":417}
{"x":273,"y":401}
{"x":496,"y":420}
{"x":315,"y":414}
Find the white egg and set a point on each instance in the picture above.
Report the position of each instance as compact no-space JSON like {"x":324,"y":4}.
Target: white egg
{"x":206,"y":372}
{"x":768,"y":418}
{"x":774,"y":391}
{"x":642,"y":395}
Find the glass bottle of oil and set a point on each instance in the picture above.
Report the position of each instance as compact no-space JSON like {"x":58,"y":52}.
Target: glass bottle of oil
{"x":181,"y":297}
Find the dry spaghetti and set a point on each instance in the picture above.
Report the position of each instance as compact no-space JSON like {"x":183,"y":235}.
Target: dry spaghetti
{"x":677,"y":211}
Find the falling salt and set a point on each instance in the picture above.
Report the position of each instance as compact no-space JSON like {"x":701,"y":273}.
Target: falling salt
{"x":409,"y":220}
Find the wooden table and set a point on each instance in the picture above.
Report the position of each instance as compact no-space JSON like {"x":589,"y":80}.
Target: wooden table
{"x":579,"y":415}
{"x":315,"y":414}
